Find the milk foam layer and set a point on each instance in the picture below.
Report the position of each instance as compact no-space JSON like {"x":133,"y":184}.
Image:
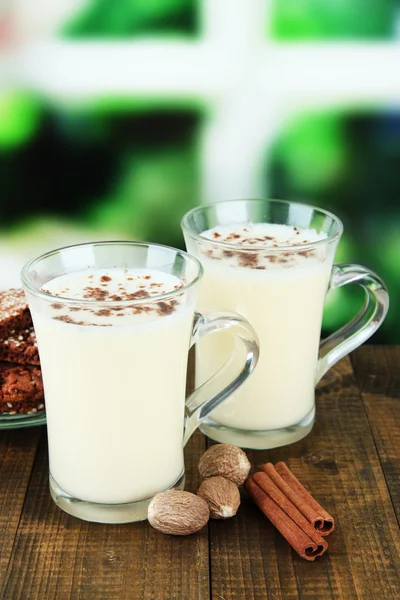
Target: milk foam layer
{"x":269,"y":235}
{"x":279,"y":286}
{"x":263,"y":245}
{"x":114,"y":394}
{"x":112,"y":287}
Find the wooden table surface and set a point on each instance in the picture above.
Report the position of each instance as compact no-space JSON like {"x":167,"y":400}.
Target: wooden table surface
{"x":350,"y":462}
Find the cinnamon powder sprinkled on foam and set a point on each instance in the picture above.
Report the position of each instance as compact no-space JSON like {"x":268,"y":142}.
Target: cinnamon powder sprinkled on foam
{"x":262,"y":236}
{"x":144,"y":286}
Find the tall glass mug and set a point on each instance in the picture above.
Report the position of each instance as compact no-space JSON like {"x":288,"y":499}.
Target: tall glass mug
{"x":272,"y":262}
{"x":114,"y":322}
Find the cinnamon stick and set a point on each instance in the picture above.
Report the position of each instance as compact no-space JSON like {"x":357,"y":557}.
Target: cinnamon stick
{"x":303,"y":538}
{"x":301,"y":498}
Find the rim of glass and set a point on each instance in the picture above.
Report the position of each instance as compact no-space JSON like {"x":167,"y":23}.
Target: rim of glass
{"x":237,"y":247}
{"x":33,"y":289}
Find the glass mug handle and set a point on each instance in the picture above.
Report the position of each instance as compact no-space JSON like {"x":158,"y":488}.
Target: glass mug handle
{"x":363,"y":325}
{"x":213,"y":392}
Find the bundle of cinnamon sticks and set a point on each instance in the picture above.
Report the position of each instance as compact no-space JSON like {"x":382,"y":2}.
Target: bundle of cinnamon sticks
{"x":291,"y":508}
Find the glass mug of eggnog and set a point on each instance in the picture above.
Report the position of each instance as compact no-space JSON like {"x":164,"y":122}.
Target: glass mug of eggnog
{"x":272,"y":262}
{"x":114,"y":322}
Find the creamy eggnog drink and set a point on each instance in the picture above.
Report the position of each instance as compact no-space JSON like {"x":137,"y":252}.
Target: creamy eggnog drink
{"x":272,"y":262}
{"x":114,"y":323}
{"x":102,"y":357}
{"x":283,"y":298}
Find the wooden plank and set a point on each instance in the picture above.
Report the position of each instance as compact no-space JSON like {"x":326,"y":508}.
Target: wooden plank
{"x":17,"y":455}
{"x":377,"y":370}
{"x":338,"y":462}
{"x":57,"y":556}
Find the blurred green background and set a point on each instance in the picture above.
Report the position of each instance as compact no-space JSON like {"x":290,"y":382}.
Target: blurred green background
{"x":130,"y":167}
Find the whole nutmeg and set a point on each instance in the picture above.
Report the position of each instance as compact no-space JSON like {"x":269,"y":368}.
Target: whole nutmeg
{"x":221,"y":495}
{"x":225,"y":460}
{"x":177,"y":512}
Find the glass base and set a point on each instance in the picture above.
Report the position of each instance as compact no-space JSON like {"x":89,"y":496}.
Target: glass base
{"x":104,"y":513}
{"x":259,"y":440}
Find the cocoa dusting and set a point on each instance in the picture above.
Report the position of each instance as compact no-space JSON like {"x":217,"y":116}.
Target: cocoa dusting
{"x":137,"y":295}
{"x":103,"y":312}
{"x":248,"y":259}
{"x":67,"y":319}
{"x":257,"y":260}
{"x":166,"y":308}
{"x":96,"y":293}
{"x":64,"y":319}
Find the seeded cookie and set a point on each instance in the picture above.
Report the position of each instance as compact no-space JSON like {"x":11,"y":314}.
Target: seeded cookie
{"x":28,"y":407}
{"x":21,"y":388}
{"x":14,"y":312}
{"x":20,"y":347}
